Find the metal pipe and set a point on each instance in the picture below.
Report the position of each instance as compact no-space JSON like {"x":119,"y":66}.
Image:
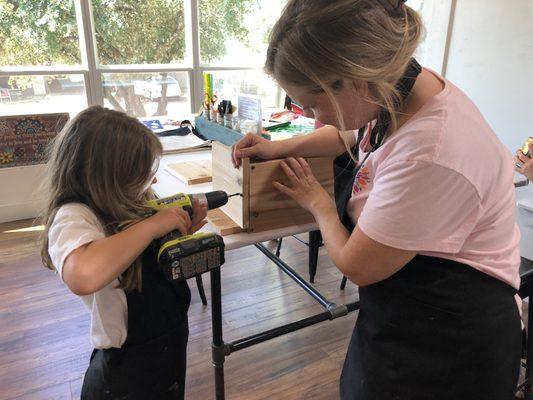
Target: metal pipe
{"x":295,"y":277}
{"x":261,"y":337}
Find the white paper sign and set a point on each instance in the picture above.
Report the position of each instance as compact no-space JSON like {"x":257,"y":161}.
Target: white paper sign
{"x":249,"y":108}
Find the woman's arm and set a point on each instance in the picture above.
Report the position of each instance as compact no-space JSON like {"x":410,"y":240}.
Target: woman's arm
{"x":362,"y":260}
{"x":93,"y":266}
{"x":323,"y":142}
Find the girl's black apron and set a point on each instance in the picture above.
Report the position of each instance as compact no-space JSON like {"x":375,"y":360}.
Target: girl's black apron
{"x":435,"y":330}
{"x":152,"y":362}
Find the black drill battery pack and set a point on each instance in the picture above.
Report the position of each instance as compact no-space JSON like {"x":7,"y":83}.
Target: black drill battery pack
{"x":188,"y":256}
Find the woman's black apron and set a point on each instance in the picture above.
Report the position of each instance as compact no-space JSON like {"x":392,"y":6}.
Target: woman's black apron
{"x":152,"y":362}
{"x":435,"y":330}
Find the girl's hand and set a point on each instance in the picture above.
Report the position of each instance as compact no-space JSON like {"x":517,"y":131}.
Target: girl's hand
{"x":524,"y":164}
{"x":198,"y":216}
{"x":305,"y":189}
{"x":168,"y":220}
{"x":252,"y":146}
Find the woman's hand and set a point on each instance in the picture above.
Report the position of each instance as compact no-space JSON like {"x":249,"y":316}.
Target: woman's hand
{"x":305,"y":189}
{"x":168,"y":220}
{"x":524,"y":164}
{"x":253,"y":146}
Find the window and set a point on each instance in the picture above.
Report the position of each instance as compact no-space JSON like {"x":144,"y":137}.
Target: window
{"x":139,"y":32}
{"x":29,"y":94}
{"x":243,"y":38}
{"x":143,"y":94}
{"x":436,"y":16}
{"x":38,"y":33}
{"x":147,"y":57}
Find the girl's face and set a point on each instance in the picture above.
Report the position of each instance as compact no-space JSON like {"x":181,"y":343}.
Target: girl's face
{"x":357,"y":111}
{"x":152,"y":180}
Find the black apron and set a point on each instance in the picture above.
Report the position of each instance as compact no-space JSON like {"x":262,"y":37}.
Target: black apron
{"x":151,"y":363}
{"x":435,"y":330}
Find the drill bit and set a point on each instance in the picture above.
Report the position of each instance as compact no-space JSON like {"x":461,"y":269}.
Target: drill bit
{"x":235,"y":194}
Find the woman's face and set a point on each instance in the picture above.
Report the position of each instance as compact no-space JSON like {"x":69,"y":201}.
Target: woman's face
{"x":356,"y":109}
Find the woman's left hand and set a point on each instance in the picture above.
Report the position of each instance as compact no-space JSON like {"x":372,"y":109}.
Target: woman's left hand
{"x":304,"y":189}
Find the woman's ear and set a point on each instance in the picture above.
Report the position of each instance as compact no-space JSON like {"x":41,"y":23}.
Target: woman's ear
{"x":361,"y":88}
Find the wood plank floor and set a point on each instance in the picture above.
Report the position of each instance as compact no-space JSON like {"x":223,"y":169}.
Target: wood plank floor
{"x":44,"y":329}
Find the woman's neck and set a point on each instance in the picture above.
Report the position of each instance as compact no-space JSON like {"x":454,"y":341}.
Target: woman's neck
{"x":426,"y":87}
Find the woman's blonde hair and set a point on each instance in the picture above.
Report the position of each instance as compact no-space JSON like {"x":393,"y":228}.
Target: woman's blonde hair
{"x":319,"y":43}
{"x":103,"y":159}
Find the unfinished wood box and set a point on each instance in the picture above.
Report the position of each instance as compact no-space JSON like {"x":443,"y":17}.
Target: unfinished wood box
{"x":262,"y":207}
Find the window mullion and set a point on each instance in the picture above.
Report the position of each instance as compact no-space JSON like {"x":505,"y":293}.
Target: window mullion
{"x":93,"y":78}
{"x":192,"y":35}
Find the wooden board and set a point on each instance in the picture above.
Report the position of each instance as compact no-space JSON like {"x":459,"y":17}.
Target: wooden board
{"x":232,"y":180}
{"x":223,"y":224}
{"x":270,"y":209}
{"x":192,"y":172}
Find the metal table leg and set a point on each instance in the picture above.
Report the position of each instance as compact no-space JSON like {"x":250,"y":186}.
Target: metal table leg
{"x":218,"y":348}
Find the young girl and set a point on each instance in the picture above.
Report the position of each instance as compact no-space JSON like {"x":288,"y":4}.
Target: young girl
{"x":98,"y":238}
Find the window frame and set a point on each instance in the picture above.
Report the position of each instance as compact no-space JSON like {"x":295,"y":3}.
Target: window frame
{"x":192,"y":65}
{"x":92,"y":71}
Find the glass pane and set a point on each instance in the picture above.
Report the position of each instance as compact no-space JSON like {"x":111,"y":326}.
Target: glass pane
{"x":38,"y":33}
{"x":228,"y":84}
{"x":235,"y":32}
{"x":139,"y":32}
{"x":425,"y":8}
{"x":32,"y":94}
{"x":148,"y":94}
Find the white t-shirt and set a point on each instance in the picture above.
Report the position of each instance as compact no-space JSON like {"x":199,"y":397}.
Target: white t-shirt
{"x":73,"y":226}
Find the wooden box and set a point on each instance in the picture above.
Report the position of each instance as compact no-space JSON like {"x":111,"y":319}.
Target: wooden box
{"x":262,"y":207}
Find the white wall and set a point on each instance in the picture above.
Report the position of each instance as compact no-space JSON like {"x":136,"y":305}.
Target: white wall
{"x":19,"y":196}
{"x":491,"y":59}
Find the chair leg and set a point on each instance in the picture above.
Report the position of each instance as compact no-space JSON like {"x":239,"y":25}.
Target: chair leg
{"x":278,"y":249}
{"x":343,"y":283}
{"x":201,"y":290}
{"x":314,"y":245}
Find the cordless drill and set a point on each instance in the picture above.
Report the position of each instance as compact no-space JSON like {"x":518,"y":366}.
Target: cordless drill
{"x":186,"y":256}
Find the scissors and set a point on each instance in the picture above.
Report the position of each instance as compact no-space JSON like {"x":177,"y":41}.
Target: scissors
{"x":209,"y":101}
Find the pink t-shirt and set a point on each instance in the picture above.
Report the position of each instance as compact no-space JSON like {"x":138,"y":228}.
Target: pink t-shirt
{"x":442,"y":186}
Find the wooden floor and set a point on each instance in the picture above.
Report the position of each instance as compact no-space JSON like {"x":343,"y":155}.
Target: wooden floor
{"x":44,"y":329}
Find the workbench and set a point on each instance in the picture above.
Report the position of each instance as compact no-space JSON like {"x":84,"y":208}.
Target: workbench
{"x":168,"y":185}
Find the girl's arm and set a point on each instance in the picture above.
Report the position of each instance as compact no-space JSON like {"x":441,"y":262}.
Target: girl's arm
{"x":323,"y":142}
{"x":93,"y":266}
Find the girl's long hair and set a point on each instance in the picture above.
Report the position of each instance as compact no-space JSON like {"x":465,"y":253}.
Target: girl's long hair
{"x":103,"y":159}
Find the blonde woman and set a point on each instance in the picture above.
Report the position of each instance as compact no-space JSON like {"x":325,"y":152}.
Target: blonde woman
{"x":100,"y":172}
{"x":424,"y":221}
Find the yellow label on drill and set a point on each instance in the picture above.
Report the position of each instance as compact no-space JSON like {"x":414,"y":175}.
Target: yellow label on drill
{"x":181,"y":239}
{"x":178,"y":200}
